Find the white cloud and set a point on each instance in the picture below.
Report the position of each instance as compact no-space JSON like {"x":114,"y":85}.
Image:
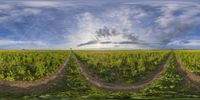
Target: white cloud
{"x":153,"y":24}
{"x":89,"y":24}
{"x":163,"y":2}
{"x":41,"y":3}
{"x":175,"y":21}
{"x":46,"y":4}
{"x":16,"y":14}
{"x":5,"y":6}
{"x":185,"y":44}
{"x":13,"y":42}
{"x":32,"y":11}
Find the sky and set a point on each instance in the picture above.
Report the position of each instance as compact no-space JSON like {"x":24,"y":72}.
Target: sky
{"x":100,"y":24}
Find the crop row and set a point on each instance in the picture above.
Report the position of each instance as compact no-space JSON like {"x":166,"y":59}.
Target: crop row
{"x":190,"y":60}
{"x":122,"y":66}
{"x":29,"y":65}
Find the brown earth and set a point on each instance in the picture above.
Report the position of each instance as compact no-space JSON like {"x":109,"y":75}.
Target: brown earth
{"x":37,"y":86}
{"x":191,"y":78}
{"x":114,"y":86}
{"x":31,"y":87}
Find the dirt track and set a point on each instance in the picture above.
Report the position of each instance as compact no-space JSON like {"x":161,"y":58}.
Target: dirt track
{"x":111,"y":86}
{"x":30,"y":87}
{"x":27,"y":87}
{"x":191,"y":78}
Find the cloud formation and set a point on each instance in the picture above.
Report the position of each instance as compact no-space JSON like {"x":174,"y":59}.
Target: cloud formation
{"x":143,"y":25}
{"x":99,"y":24}
{"x":25,"y":44}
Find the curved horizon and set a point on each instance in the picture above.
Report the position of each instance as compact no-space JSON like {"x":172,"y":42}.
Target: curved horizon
{"x":100,"y":24}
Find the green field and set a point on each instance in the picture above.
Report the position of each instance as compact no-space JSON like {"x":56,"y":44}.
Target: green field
{"x":121,"y":74}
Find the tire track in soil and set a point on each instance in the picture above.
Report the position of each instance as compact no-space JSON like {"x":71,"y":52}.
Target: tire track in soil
{"x":112,"y":86}
{"x":31,"y":87}
{"x":28,"y":87}
{"x":190,"y":77}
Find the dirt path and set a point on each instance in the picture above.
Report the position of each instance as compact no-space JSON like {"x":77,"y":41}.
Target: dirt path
{"x":31,"y":87}
{"x":27,"y":87}
{"x":112,"y":86}
{"x":191,"y":78}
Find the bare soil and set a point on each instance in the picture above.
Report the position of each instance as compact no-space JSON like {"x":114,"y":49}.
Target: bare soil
{"x":37,"y":86}
{"x":115,"y":86}
{"x":31,"y":87}
{"x":191,"y":78}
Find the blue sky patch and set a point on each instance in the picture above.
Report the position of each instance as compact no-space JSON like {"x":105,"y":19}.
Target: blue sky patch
{"x":100,"y":24}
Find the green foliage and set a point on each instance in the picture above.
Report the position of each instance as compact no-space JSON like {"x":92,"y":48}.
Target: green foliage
{"x":190,"y":59}
{"x":111,"y":66}
{"x":126,"y":66}
{"x":29,"y":64}
{"x":74,"y":81}
{"x":170,"y":84}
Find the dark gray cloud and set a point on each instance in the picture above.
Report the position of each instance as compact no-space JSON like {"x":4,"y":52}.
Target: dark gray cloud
{"x":109,"y":33}
{"x":185,"y":41}
{"x":106,"y":32}
{"x":87,"y":43}
{"x":56,"y":25}
{"x":142,"y":43}
{"x":106,"y":42}
{"x":131,"y":37}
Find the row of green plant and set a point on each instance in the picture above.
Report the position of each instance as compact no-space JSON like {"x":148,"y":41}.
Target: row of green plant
{"x":74,"y":85}
{"x":171,"y":83}
{"x":122,"y":66}
{"x":28,"y":65}
{"x":190,"y":59}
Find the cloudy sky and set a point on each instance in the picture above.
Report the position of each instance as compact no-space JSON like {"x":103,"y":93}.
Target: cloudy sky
{"x":100,"y":24}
